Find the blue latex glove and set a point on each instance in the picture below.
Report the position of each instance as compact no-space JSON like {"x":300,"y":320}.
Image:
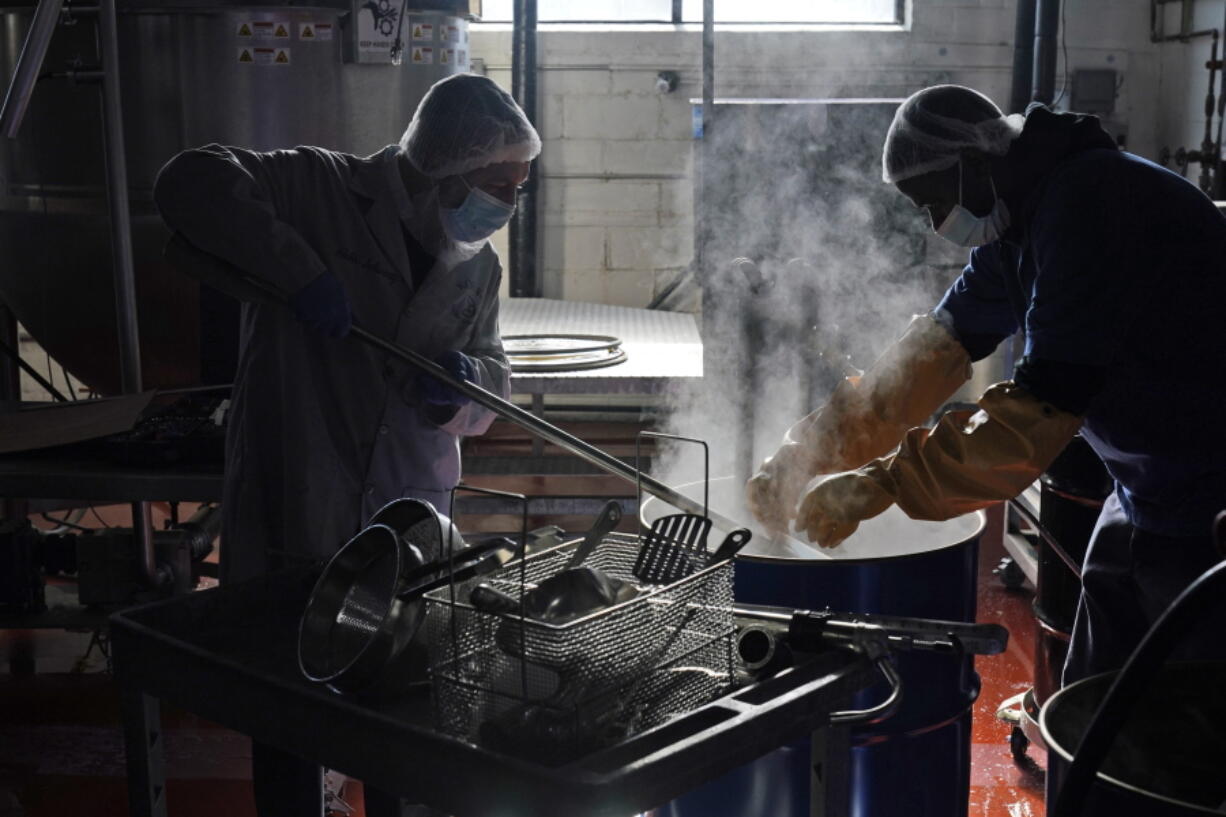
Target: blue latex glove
{"x":323,"y":306}
{"x":436,"y":392}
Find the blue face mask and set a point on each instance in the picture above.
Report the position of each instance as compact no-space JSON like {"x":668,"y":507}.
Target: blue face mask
{"x":478,"y":217}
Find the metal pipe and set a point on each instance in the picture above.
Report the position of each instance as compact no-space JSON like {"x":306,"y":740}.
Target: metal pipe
{"x":29,"y":65}
{"x":10,"y":367}
{"x":121,"y":256}
{"x":522,"y":238}
{"x":1046,"y":30}
{"x":1217,"y":190}
{"x":1183,"y":38}
{"x":530,"y":422}
{"x":1209,"y":160}
{"x":117,"y":201}
{"x":702,"y":207}
{"x":1023,"y":56}
{"x":142,"y":528}
{"x":15,"y":355}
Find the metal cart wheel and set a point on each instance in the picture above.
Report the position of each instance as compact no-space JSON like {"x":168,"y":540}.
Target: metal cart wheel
{"x":1018,"y":744}
{"x":1010,"y":573}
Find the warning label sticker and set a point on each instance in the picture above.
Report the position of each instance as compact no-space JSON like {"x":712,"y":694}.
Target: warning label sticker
{"x":282,"y":57}
{"x":314,"y":32}
{"x":262,"y":29}
{"x":244,"y":29}
{"x":451,"y":34}
{"x":281,"y":32}
{"x":446,"y":56}
{"x":246,"y":55}
{"x":422,"y":55}
{"x":423,"y":31}
{"x":461,"y":58}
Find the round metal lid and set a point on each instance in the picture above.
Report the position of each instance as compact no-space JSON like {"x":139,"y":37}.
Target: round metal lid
{"x":561,"y":352}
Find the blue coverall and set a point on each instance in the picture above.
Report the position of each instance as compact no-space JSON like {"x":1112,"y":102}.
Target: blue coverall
{"x":1114,"y":269}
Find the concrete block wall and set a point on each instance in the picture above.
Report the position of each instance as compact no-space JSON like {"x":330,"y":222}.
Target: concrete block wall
{"x":616,"y":169}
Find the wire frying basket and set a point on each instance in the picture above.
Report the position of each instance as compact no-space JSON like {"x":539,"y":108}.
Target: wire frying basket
{"x":553,"y":690}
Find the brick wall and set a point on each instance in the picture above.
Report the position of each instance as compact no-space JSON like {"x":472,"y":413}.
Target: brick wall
{"x":616,"y":190}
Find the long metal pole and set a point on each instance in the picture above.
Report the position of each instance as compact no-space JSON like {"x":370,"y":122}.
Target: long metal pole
{"x":29,"y":65}
{"x":8,"y":328}
{"x":1046,"y":30}
{"x":130,"y":378}
{"x":530,"y":422}
{"x":1023,"y":56}
{"x":227,"y":278}
{"x":117,"y":200}
{"x":707,"y":113}
{"x":522,"y":237}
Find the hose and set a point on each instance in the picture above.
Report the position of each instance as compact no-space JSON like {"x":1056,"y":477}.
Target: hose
{"x":1131,"y":682}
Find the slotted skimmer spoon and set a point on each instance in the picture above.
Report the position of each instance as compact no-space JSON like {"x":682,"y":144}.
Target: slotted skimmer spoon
{"x":674,"y":548}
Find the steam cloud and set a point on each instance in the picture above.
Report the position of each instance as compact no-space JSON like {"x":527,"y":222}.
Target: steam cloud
{"x":845,"y":261}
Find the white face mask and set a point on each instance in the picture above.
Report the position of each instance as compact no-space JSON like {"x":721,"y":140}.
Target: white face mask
{"x":966,"y":229}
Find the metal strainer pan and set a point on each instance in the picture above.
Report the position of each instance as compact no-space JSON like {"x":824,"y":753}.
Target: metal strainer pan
{"x":354,"y":622}
{"x":366,"y":608}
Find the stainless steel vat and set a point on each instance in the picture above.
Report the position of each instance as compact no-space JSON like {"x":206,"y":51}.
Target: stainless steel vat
{"x":239,"y":75}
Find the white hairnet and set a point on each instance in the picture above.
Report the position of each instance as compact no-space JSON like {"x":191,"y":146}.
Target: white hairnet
{"x":933,"y":126}
{"x":465,"y":122}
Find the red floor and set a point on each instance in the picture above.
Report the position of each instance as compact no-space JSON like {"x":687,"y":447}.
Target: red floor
{"x":999,"y":787}
{"x":61,"y":751}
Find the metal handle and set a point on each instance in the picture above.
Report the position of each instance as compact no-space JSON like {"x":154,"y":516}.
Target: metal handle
{"x":29,"y":66}
{"x":809,"y":630}
{"x":500,"y":550}
{"x":641,"y":479}
{"x":871,"y":641}
{"x":225,"y":277}
{"x":732,"y":544}
{"x":608,"y":519}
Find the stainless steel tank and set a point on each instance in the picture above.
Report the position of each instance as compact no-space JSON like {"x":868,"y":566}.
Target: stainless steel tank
{"x":260,"y":77}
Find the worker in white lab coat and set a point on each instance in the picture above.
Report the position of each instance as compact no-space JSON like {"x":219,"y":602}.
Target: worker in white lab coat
{"x":325,"y":430}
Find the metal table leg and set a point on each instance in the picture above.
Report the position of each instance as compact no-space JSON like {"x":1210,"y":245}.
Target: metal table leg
{"x":830,"y":789}
{"x":142,"y":735}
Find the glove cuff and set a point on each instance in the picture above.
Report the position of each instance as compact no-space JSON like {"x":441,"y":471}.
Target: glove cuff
{"x":973,"y":459}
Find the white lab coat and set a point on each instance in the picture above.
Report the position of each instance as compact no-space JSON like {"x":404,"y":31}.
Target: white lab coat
{"x":323,"y":432}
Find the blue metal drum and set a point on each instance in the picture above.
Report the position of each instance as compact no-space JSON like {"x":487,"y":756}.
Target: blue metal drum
{"x":914,"y":763}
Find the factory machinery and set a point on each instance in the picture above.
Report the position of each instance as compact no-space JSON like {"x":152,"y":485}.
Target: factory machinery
{"x":101,"y":96}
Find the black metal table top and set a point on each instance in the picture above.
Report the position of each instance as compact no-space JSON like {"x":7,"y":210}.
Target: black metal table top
{"x":69,"y":474}
{"x":228,"y":654}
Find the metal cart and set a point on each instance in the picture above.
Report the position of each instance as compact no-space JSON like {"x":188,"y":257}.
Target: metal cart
{"x":228,"y":654}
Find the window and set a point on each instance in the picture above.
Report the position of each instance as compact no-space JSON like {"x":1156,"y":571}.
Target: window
{"x":586,"y":11}
{"x":846,"y":12}
{"x":796,"y":11}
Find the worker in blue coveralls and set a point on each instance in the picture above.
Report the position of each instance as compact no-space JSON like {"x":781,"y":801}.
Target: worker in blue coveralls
{"x":1114,"y":271}
{"x":325,"y":430}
